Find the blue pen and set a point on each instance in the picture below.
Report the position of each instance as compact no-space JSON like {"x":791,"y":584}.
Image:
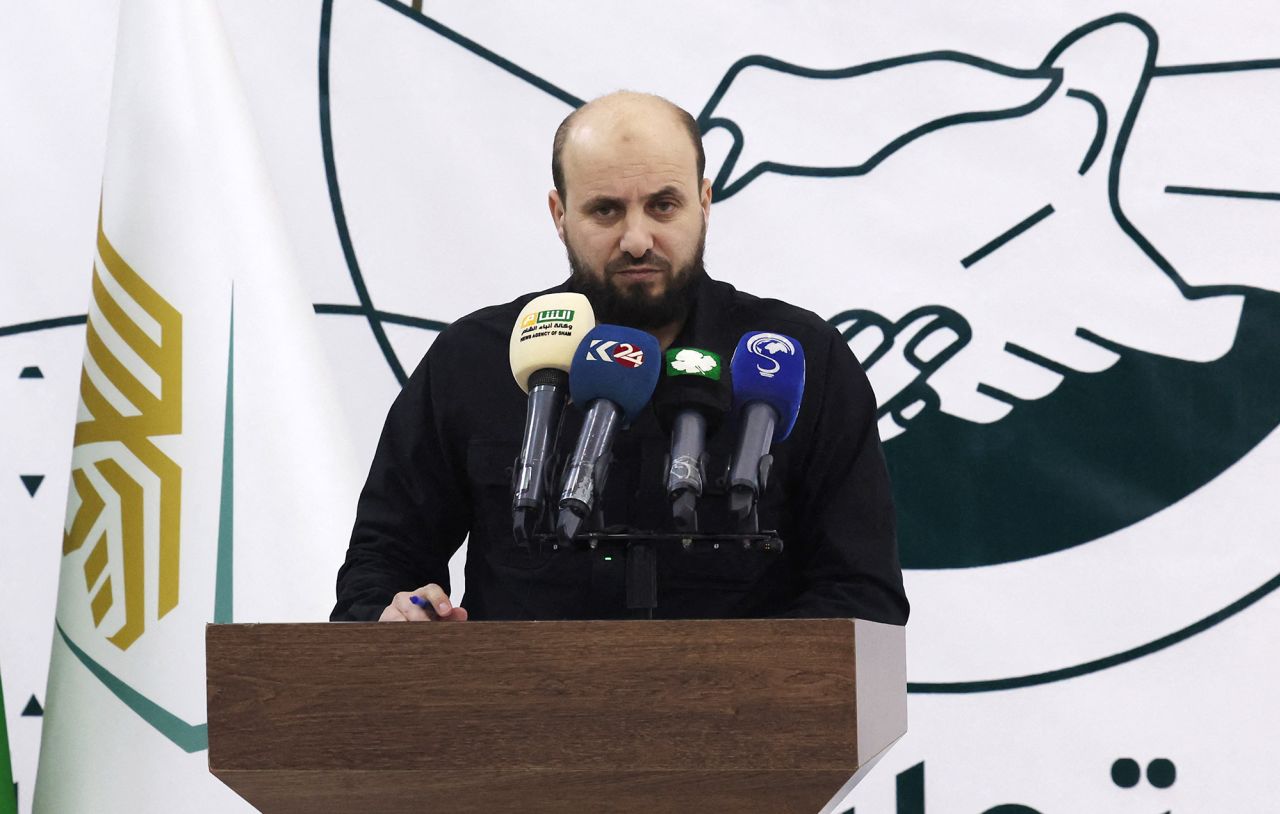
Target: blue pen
{"x":419,"y":601}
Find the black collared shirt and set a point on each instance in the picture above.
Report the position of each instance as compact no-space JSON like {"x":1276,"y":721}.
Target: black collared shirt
{"x":442,"y":470}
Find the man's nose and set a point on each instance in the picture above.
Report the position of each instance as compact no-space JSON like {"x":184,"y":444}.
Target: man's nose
{"x":636,"y":237}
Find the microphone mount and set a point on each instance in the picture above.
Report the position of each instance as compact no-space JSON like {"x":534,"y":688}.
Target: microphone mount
{"x":640,"y":548}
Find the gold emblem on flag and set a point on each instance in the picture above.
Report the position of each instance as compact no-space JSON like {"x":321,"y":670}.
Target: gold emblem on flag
{"x":126,"y":492}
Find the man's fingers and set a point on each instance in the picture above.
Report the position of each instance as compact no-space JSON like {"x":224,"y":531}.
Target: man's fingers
{"x":391,"y":614}
{"x":429,"y":603}
{"x":403,"y":603}
{"x":435,"y":599}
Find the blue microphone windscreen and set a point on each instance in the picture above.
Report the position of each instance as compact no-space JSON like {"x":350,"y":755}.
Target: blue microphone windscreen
{"x":616,"y":363}
{"x":769,"y":367}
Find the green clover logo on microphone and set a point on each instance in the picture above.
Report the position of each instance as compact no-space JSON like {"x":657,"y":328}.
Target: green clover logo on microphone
{"x":693,"y":362}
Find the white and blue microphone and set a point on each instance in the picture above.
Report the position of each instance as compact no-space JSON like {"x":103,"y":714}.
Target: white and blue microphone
{"x":768,"y":386}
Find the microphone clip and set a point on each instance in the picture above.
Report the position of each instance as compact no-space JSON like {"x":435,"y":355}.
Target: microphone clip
{"x":530,"y":524}
{"x":578,"y":516}
{"x":686,"y":480}
{"x":744,"y":500}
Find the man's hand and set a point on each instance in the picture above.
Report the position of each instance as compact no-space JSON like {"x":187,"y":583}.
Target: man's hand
{"x":427,"y":604}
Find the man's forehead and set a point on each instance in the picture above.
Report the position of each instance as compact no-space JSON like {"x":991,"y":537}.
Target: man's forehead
{"x":626,"y":141}
{"x":624,"y":176}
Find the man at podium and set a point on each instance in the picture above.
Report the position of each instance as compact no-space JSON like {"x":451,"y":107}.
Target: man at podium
{"x":631,"y":206}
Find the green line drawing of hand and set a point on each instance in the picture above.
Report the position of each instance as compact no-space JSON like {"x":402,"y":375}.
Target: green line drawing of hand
{"x":996,"y":206}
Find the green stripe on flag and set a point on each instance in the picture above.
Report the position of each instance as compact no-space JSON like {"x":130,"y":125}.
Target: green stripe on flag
{"x":188,"y":737}
{"x":223,"y":586}
{"x":8,"y":793}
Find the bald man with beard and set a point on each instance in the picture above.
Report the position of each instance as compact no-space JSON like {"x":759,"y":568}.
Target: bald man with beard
{"x":631,"y":206}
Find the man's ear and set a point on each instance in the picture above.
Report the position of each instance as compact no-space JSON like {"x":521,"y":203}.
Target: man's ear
{"x":704,"y":200}
{"x":557,"y":212}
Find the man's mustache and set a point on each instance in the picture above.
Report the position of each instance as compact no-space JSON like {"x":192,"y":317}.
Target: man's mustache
{"x":626,"y":263}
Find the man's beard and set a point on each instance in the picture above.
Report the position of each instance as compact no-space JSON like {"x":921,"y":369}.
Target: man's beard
{"x":619,"y":303}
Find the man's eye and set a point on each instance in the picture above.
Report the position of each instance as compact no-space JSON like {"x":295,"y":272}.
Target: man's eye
{"x":665,"y":207}
{"x":603,"y":211}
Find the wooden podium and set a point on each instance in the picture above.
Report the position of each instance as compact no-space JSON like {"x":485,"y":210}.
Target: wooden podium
{"x":779,"y":715}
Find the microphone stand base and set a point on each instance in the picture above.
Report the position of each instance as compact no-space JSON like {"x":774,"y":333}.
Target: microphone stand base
{"x":642,"y":579}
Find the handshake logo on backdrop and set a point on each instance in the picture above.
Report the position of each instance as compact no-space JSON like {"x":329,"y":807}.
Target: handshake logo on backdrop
{"x":1057,"y":259}
{"x":1005,"y":227}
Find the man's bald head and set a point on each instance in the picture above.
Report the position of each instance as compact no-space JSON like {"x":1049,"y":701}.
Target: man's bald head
{"x":617,"y":109}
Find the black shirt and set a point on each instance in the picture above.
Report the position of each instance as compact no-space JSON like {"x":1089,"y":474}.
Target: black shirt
{"x":442,"y":470}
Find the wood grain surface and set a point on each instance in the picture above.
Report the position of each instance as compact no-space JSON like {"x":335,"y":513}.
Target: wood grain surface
{"x":740,"y":715}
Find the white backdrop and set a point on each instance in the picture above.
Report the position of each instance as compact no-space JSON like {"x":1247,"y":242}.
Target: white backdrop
{"x":1050,"y":233}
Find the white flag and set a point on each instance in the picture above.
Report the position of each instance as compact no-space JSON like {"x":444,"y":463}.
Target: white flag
{"x":210,"y":476}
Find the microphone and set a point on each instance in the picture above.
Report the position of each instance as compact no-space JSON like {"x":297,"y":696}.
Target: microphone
{"x":543,"y":342}
{"x":691,"y":400}
{"x":768,"y":384}
{"x":613,"y":375}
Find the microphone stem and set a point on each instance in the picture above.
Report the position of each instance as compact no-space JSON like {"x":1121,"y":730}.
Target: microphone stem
{"x":688,"y":440}
{"x":594,"y":443}
{"x":757,"y":436}
{"x":542,"y":423}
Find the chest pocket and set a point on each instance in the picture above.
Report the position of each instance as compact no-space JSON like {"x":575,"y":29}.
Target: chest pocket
{"x":489,"y":469}
{"x":535,"y":583}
